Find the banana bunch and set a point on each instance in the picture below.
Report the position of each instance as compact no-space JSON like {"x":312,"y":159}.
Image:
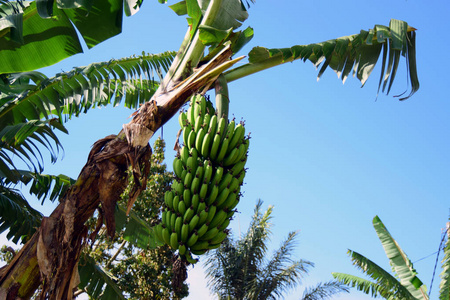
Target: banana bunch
{"x":209,"y":172}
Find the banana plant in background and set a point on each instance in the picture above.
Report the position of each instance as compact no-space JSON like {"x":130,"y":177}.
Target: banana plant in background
{"x":404,"y":284}
{"x":34,"y":108}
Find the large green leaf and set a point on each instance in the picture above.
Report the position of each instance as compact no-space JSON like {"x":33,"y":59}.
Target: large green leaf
{"x":135,"y":230}
{"x":40,"y":33}
{"x":444,"y":292}
{"x":45,"y":42}
{"x":96,"y":281}
{"x":363,"y":285}
{"x":355,"y":53}
{"x":380,"y":276}
{"x":399,"y":261}
{"x":17,"y":216}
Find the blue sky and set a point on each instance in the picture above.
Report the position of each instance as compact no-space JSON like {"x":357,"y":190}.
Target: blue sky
{"x":328,"y":156}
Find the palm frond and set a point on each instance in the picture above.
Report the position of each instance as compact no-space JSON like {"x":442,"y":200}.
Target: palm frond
{"x":380,"y":276}
{"x":399,"y":261}
{"x":364,"y":285}
{"x":444,"y":291}
{"x":323,"y":291}
{"x":17,"y":215}
{"x":96,"y":281}
{"x":358,"y":53}
{"x":281,"y":272}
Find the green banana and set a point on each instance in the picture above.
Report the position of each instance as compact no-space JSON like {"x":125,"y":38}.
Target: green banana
{"x":178,"y":166}
{"x":220,"y":236}
{"x":224,"y":224}
{"x":199,"y":138}
{"x":212,"y":195}
{"x":211,"y":213}
{"x":193,"y":223}
{"x":184,"y":233}
{"x":228,"y":201}
{"x":238,"y":167}
{"x":186,"y":131}
{"x":218,"y":219}
{"x":174,"y":240}
{"x":182,"y":249}
{"x":195,"y":201}
{"x":188,"y":179}
{"x":190,"y":142}
{"x":168,"y":199}
{"x":201,"y":206}
{"x":223,"y":150}
{"x":232,"y":156}
{"x":209,"y":234}
{"x":203,"y":216}
{"x":195,"y":185}
{"x":200,"y":245}
{"x":176,"y":201}
{"x":202,"y":230}
{"x":198,"y":124}
{"x":230,"y":129}
{"x":217,"y":139}
{"x":208,"y":171}
{"x":238,"y":136}
{"x":177,"y":187}
{"x":181,"y":207}
{"x":234,"y":184}
{"x":189,"y":258}
{"x":190,"y":114}
{"x":213,"y":124}
{"x":206,"y":144}
{"x":206,"y":120}
{"x":226,"y":180}
{"x":217,"y":176}
{"x":199,"y":252}
{"x":222,"y":197}
{"x":187,"y":197}
{"x":178,"y":224}
{"x":173,"y":219}
{"x":192,"y":239}
{"x":167,"y":220}
{"x":184,"y":155}
{"x":182,"y":118}
{"x":188,"y":215}
{"x":199,"y":173}
{"x":214,"y":246}
{"x":203,"y":190}
{"x":221,"y":127}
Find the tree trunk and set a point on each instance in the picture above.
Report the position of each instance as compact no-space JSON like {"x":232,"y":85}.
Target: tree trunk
{"x":54,"y":250}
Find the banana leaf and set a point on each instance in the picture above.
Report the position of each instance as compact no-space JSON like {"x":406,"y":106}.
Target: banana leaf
{"x":399,"y":261}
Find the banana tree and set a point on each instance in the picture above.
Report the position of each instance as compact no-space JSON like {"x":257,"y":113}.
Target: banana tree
{"x":204,"y":58}
{"x":405,"y":284}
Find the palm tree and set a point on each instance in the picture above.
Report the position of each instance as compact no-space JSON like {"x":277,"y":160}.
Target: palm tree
{"x":405,"y":284}
{"x":34,"y":107}
{"x":239,"y":269}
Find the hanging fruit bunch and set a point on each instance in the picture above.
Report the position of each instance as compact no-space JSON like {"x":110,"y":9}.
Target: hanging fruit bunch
{"x":209,"y":172}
